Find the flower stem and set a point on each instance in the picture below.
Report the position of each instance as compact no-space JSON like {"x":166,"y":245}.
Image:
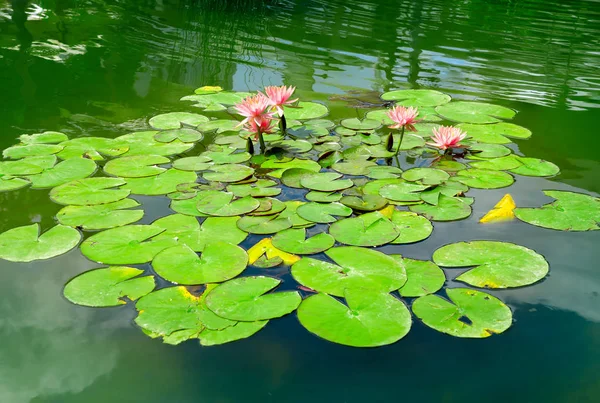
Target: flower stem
{"x":400,"y":142}
{"x":262,"y":142}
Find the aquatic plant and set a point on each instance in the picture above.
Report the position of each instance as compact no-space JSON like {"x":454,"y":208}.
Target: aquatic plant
{"x":347,"y":199}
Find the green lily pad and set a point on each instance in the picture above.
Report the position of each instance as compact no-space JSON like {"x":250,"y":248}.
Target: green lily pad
{"x":291,"y":213}
{"x":43,"y":138}
{"x":264,"y":262}
{"x":184,"y":135}
{"x":89,"y":191}
{"x":417,"y":97}
{"x":63,"y":172}
{"x":305,"y":111}
{"x":498,"y":164}
{"x":409,"y":142}
{"x":261,"y":188}
{"x":484,"y":179}
{"x":294,"y":241}
{"x":450,"y":188}
{"x":226,"y":155}
{"x":143,"y":143}
{"x":220,"y":261}
{"x":364,"y":203}
{"x":424,"y":278}
{"x":27,"y":166}
{"x":268,"y":206}
{"x":323,"y":213}
{"x":325,"y":182}
{"x":281,"y":166}
{"x":216,"y":101}
{"x":292,"y":177}
{"x":292,"y":146}
{"x":496,"y":133}
{"x":569,"y":212}
{"x":474,"y":112}
{"x":412,"y":227}
{"x":354,"y":268}
{"x":101,"y":216}
{"x":370,"y":229}
{"x":384,"y":172}
{"x":132,"y":244}
{"x":95,"y":148}
{"x":381,"y":116}
{"x":240,"y":330}
{"x":246,"y":299}
{"x":228,"y":173}
{"x":535,"y":167}
{"x":264,"y":224}
{"x":486,"y":315}
{"x":219,"y":125}
{"x":401,"y":191}
{"x":360,"y":125}
{"x":449,"y":166}
{"x":217,"y":203}
{"x":357,"y":166}
{"x":497,"y":264}
{"x":33,"y":150}
{"x":161,"y":184}
{"x":371,"y":318}
{"x":447,"y":209}
{"x":8,"y":184}
{"x":174,"y":120}
{"x":107,"y":286}
{"x":323,"y":197}
{"x":426,"y":176}
{"x":192,"y":164}
{"x":139,"y":166}
{"x":373,"y":187}
{"x":25,"y":244}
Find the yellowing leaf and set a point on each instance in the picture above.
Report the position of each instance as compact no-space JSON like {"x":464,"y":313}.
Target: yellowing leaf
{"x":388,"y":211}
{"x":258,"y":250}
{"x":265,"y":246}
{"x":502,"y":211}
{"x":287,"y":258}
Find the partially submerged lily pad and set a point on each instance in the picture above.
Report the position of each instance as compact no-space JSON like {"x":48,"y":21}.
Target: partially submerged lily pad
{"x":25,"y":244}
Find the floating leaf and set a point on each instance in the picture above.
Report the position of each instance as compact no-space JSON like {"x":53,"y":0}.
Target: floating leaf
{"x":221,"y":204}
{"x":240,"y":330}
{"x":44,"y":138}
{"x":482,"y":150}
{"x":89,"y":191}
{"x":360,"y":125}
{"x":401,"y":191}
{"x":364,"y":203}
{"x":469,"y":313}
{"x":412,"y":227}
{"x":143,"y":143}
{"x":292,"y":177}
{"x":447,"y":209}
{"x":569,"y":212}
{"x":449,"y":166}
{"x":107,"y":286}
{"x":101,"y":216}
{"x":132,"y":244}
{"x":383,"y":172}
{"x":33,"y":150}
{"x":305,"y":111}
{"x":265,"y":246}
{"x":370,"y":229}
{"x":138,"y":166}
{"x":496,"y":133}
{"x":8,"y":184}
{"x":498,"y":164}
{"x":535,"y":167}
{"x":91,"y":147}
{"x":291,"y":213}
{"x":63,"y":172}
{"x":25,"y":244}
{"x":185,"y":135}
{"x":323,"y":197}
{"x":263,"y":224}
{"x":484,"y":179}
{"x":323,"y":213}
{"x":426,"y":176}
{"x":246,"y":299}
{"x":27,"y":166}
{"x":226,"y":155}
{"x":498,"y":264}
{"x":294,"y":241}
{"x":174,"y":120}
{"x":357,"y":166}
{"x":219,"y":125}
{"x":216,"y":101}
{"x":355,"y":268}
{"x":423,"y":278}
{"x":502,"y":211}
{"x":450,"y":188}
{"x":220,"y":261}
{"x":161,"y":184}
{"x":474,"y":112}
{"x":261,"y":188}
{"x":325,"y":182}
{"x":417,"y":97}
{"x":281,"y":166}
{"x":228,"y":173}
{"x":371,"y":318}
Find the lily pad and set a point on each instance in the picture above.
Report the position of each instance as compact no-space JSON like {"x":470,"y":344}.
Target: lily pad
{"x":450,"y":188}
{"x":497,"y":264}
{"x":294,"y":241}
{"x":8,"y":184}
{"x":535,"y":167}
{"x":247,"y":299}
{"x":281,"y":166}
{"x":323,"y":197}
{"x":139,"y":166}
{"x":32,"y":150}
{"x":496,"y":133}
{"x":143,"y":143}
{"x":412,"y":227}
{"x":569,"y":212}
{"x":482,"y":150}
{"x":240,"y":330}
{"x":354,"y":268}
{"x":43,"y":138}
{"x":219,"y":125}
{"x":27,"y":166}
{"x":292,"y":177}
{"x":426,"y":176}
{"x":305,"y":111}
{"x":63,"y":172}
{"x":217,"y":203}
{"x":161,"y":184}
{"x":220,"y":261}
{"x":384,"y":172}
{"x":357,"y":166}
{"x":323,"y":213}
{"x":101,"y":216}
{"x":291,"y":213}
{"x":484,"y":179}
{"x":95,"y":148}
{"x":263,"y":224}
{"x":325,"y":182}
{"x":261,"y":188}
{"x":474,"y":112}
{"x":485,"y":314}
{"x":447,"y":209}
{"x":371,"y":318}
{"x":226,"y":155}
{"x":417,"y":97}
{"x":498,"y":164}
{"x":132,"y":244}
{"x":401,"y":191}
{"x":185,"y":135}
{"x":174,"y":120}
{"x":364,"y":203}
{"x":107,"y":286}
{"x":25,"y":244}
{"x":360,"y":125}
{"x":424,"y":278}
{"x":89,"y":191}
{"x":370,"y":229}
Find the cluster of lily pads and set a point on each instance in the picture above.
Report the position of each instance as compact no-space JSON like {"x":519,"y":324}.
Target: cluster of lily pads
{"x":320,"y":200}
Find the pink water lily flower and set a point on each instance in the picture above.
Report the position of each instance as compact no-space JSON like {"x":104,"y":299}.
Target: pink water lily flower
{"x":279,"y":96}
{"x":445,"y":137}
{"x":253,"y":108}
{"x":264,"y":124}
{"x":403,"y":117}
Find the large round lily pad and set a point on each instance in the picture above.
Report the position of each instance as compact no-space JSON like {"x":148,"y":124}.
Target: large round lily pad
{"x":355,"y":268}
{"x":325,"y":182}
{"x":143,"y":143}
{"x":497,"y":264}
{"x":264,"y":224}
{"x":247,"y":299}
{"x":371,"y":318}
{"x":401,"y":191}
{"x":469,"y":313}
{"x":305,"y":111}
{"x":447,"y":209}
{"x":228,"y":173}
{"x":496,"y":133}
{"x":370,"y":229}
{"x":240,"y":330}
{"x":323,"y":213}
{"x":426,"y":176}
{"x":100,"y":216}
{"x":569,"y":212}
{"x":484,"y":179}
{"x":108,"y":286}
{"x":25,"y":244}
{"x":423,"y":278}
{"x":95,"y":148}
{"x":474,"y":112}
{"x":138,"y":166}
{"x":220,"y":261}
{"x":174,"y":120}
{"x":412,"y":227}
{"x":535,"y":167}
{"x":31,"y":150}
{"x":294,"y":240}
{"x":89,"y":191}
{"x":417,"y":97}
{"x":9,"y":183}
{"x":27,"y":166}
{"x":63,"y":172}
{"x":364,"y":203}
{"x":161,"y":184}
{"x":221,"y":204}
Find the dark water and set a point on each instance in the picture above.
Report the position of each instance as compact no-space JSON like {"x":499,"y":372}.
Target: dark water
{"x":102,"y":67}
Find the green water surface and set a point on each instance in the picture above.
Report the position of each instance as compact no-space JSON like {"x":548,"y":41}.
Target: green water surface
{"x":101,"y":68}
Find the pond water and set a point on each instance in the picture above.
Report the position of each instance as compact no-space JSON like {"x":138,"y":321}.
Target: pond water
{"x":103,"y":67}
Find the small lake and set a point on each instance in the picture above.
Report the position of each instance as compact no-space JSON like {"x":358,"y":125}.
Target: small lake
{"x":102,"y":68}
